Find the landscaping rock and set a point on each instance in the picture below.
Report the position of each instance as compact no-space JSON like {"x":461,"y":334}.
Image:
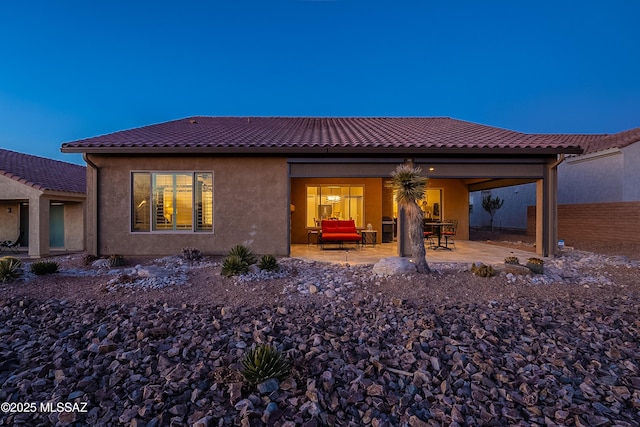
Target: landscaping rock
{"x":394,"y":266}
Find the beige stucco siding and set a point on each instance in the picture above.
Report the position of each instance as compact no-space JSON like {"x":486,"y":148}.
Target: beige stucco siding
{"x":74,"y":226}
{"x":455,"y":203}
{"x":250,"y":206}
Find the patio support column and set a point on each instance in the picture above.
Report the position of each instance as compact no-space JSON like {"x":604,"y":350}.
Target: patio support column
{"x":38,"y":226}
{"x":552,"y":207}
{"x":91,"y":207}
{"x":547,"y":212}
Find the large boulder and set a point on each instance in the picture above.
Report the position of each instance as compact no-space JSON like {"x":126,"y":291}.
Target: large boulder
{"x":394,"y":265}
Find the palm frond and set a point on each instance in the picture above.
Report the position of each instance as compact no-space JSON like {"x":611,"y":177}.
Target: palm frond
{"x":409,"y":185}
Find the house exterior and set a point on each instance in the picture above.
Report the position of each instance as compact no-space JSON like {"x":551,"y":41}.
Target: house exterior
{"x":215,"y":182}
{"x":42,"y":201}
{"x":605,"y":173}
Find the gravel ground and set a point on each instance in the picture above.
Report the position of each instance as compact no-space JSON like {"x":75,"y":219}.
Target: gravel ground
{"x":159,"y":342}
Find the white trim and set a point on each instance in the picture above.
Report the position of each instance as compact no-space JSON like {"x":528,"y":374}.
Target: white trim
{"x":593,"y":156}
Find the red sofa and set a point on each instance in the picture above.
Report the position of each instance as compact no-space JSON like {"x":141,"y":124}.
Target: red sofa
{"x":340,"y":232}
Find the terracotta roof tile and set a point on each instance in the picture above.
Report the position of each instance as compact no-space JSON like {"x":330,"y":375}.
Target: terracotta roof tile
{"x":43,"y":174}
{"x":313,"y":133}
{"x":616,"y":140}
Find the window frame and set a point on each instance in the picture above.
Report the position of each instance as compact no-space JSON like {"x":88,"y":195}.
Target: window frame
{"x":194,"y":200}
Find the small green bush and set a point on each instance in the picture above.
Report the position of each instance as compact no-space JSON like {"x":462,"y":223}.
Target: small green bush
{"x":116,"y":260}
{"x":191,"y":254}
{"x":483,"y":270}
{"x":244,"y":253}
{"x":268,"y":263}
{"x":10,"y":268}
{"x":512,"y":260}
{"x":265,"y":362}
{"x":41,"y":268}
{"x":234,"y":265}
{"x":536,"y":265}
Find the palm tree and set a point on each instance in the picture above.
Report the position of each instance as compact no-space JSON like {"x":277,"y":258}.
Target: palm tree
{"x":410,"y":187}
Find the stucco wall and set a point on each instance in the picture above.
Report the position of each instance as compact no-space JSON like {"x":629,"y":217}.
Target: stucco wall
{"x":250,"y":206}
{"x":631,"y":179}
{"x":455,"y":204}
{"x":73,"y":226}
{"x":12,"y":193}
{"x":9,"y":222}
{"x":591,"y":180}
{"x":513,"y":213}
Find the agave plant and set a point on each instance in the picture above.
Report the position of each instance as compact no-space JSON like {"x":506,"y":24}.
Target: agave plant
{"x":244,"y":253}
{"x":265,"y":362}
{"x":268,"y":263}
{"x":234,"y":265}
{"x":41,"y":268}
{"x":10,"y":268}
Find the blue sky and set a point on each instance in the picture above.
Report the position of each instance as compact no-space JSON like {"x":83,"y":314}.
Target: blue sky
{"x":76,"y":69}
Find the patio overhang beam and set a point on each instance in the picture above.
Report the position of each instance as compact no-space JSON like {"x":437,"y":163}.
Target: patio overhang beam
{"x":373,"y":169}
{"x":491,"y":184}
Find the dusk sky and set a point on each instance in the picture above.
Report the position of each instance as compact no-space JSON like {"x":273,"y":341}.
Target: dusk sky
{"x":76,"y":69}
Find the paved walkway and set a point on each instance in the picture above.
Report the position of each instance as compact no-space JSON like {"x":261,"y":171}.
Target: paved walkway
{"x":466,"y":251}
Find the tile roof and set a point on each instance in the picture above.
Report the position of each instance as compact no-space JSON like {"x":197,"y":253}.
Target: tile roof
{"x":322,"y":135}
{"x":616,"y":140}
{"x":43,"y":174}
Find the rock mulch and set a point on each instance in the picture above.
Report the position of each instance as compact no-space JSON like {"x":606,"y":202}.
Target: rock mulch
{"x":358,"y":356}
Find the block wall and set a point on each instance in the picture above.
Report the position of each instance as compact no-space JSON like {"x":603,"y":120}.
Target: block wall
{"x":614,"y":222}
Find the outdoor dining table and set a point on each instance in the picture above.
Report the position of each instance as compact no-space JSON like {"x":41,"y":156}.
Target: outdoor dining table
{"x":438,"y":227}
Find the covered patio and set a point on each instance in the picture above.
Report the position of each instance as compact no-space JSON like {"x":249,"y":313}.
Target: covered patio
{"x":466,"y":251}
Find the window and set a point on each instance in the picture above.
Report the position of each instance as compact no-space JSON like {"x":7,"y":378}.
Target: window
{"x":171,"y":201}
{"x":335,"y":202}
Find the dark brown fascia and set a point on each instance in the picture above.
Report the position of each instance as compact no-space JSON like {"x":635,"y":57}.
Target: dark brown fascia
{"x":325,"y":151}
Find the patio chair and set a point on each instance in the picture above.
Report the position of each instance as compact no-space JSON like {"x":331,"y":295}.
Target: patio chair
{"x":9,"y":245}
{"x":429,"y":234}
{"x":449,"y":232}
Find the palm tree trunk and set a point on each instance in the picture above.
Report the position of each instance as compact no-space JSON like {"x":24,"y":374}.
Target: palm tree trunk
{"x":416,"y":237}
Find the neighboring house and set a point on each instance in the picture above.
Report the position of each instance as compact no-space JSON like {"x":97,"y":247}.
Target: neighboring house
{"x":606,"y":172}
{"x":215,"y":182}
{"x":42,"y":201}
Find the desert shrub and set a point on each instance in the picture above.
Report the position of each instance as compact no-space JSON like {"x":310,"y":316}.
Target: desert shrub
{"x":41,"y":268}
{"x":116,"y":260}
{"x":268,"y":263}
{"x":511,"y":260}
{"x":244,"y":253}
{"x":234,"y":265}
{"x":191,"y":254}
{"x":536,"y":265}
{"x":265,"y":362}
{"x":483,"y":270}
{"x":10,"y":268}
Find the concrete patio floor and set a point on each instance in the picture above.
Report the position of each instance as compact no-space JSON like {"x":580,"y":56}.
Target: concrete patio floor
{"x":466,"y":251}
